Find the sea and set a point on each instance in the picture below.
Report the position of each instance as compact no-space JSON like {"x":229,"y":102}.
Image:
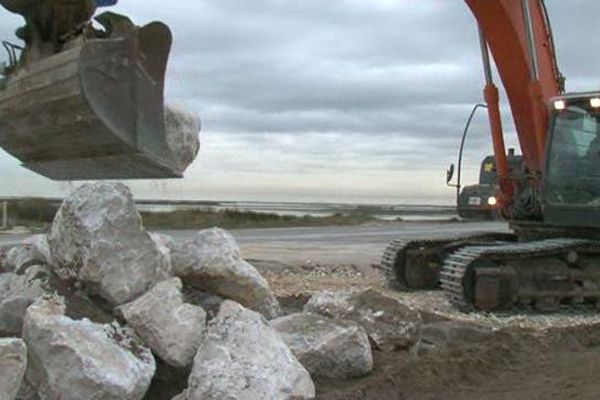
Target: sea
{"x":386,"y":212}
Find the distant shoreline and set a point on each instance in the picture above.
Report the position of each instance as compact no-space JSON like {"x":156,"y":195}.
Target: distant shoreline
{"x":166,"y":214}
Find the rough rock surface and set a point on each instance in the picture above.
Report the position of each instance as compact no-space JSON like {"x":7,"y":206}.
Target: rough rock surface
{"x":27,"y":392}
{"x":327,"y":348}
{"x":17,"y":293}
{"x":243,"y":357}
{"x":98,"y":237}
{"x":452,"y":334}
{"x":171,"y":328}
{"x":211,"y":261}
{"x":390,"y":324}
{"x":181,"y":396}
{"x":31,"y":251}
{"x":82,"y":360}
{"x":13,"y":362}
{"x":164,"y":244}
{"x":182,"y":129}
{"x":4,"y":249}
{"x":209,"y":302}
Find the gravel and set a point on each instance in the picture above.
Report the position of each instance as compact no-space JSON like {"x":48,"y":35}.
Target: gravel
{"x":437,"y":306}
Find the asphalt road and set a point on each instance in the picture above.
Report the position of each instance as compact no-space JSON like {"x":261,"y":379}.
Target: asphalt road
{"x":359,"y":245}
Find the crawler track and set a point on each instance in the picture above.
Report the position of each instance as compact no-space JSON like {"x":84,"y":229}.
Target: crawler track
{"x":416,"y":263}
{"x":543,"y":273}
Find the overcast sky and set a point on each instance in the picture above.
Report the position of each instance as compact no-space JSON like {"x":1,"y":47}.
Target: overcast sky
{"x":338,"y":100}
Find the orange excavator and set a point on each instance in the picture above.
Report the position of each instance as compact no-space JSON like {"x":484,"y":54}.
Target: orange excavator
{"x":553,"y":257}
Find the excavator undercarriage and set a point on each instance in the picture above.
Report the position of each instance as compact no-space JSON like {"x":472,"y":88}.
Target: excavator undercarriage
{"x":496,"y":271}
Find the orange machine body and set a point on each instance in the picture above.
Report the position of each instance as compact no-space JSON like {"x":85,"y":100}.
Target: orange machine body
{"x":502,"y":24}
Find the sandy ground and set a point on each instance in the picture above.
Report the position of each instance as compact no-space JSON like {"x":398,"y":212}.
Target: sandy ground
{"x":529,"y":356}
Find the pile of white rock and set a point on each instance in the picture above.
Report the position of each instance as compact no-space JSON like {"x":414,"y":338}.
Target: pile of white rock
{"x":99,"y":308}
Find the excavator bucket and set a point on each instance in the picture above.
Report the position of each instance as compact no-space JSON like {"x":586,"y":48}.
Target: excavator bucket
{"x":95,"y":110}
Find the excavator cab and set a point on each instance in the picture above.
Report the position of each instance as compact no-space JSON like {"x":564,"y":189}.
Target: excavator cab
{"x":85,"y":102}
{"x":572,"y":189}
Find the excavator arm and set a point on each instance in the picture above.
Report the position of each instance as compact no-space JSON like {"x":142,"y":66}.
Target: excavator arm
{"x":519,"y":37}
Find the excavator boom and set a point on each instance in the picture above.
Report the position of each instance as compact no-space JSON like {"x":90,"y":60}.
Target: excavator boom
{"x":520,"y":40}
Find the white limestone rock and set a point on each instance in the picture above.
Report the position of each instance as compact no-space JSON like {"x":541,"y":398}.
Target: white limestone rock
{"x":211,"y":262}
{"x":4,"y":249}
{"x":31,"y":251}
{"x":390,"y":324}
{"x":171,"y":328}
{"x":17,"y":293}
{"x":98,"y":238}
{"x":182,"y":128}
{"x":13,"y":363}
{"x":164,"y":244}
{"x":81,"y":360}
{"x":327,"y":348}
{"x":243,"y":357}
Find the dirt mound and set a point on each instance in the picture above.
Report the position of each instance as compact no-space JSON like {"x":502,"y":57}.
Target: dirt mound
{"x":515,"y":364}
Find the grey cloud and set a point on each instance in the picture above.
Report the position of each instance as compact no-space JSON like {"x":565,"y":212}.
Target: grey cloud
{"x":328,"y":88}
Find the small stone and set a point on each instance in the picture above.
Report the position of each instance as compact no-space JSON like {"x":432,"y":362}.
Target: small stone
{"x":452,"y":334}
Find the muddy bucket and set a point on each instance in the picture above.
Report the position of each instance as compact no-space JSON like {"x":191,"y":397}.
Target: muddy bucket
{"x":95,"y":110}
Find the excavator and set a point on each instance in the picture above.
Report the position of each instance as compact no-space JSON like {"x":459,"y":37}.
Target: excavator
{"x":552,"y":258}
{"x":84,"y":101}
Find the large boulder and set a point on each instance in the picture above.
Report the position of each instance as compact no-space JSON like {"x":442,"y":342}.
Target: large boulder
{"x":31,"y":251}
{"x":171,"y":328}
{"x":98,"y":238}
{"x":17,"y":293}
{"x":390,"y":324}
{"x":243,"y":357}
{"x":13,"y":363}
{"x":77,"y":360}
{"x":211,"y":262}
{"x":182,"y":128}
{"x":325,"y":347}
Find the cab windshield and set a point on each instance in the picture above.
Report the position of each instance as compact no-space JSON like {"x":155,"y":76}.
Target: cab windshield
{"x":574,"y":162}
